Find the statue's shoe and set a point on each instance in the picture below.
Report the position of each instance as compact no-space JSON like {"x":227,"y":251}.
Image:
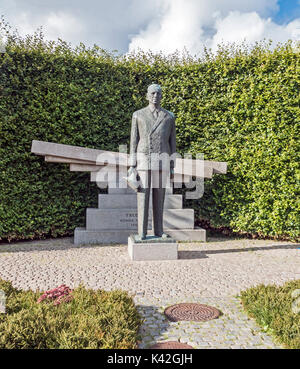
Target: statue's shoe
{"x":163,"y":235}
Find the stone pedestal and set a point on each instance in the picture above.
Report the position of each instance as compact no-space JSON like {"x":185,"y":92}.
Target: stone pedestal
{"x":152,"y":248}
{"x":115,"y":219}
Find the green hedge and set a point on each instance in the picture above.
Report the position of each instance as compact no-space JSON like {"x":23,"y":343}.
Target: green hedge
{"x":239,"y":106}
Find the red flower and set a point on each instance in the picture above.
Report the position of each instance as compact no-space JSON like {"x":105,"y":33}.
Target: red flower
{"x":59,"y":294}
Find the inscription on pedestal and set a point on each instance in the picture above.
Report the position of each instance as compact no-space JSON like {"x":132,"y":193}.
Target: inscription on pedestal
{"x":130,"y":219}
{"x":104,"y":219}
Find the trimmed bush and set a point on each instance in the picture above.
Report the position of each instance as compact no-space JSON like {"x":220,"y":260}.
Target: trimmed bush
{"x":271,"y":307}
{"x":92,"y":319}
{"x":239,"y":106}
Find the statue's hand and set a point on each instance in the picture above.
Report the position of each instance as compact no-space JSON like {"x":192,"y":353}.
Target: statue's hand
{"x":133,"y":179}
{"x":130,"y":170}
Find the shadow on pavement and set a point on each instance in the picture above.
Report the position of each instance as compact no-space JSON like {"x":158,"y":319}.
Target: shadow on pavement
{"x":200,"y":254}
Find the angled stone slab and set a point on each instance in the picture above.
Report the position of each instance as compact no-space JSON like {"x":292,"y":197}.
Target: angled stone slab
{"x":99,"y":219}
{"x":59,"y":159}
{"x":101,"y":157}
{"x":96,"y":156}
{"x":199,"y":168}
{"x":85,"y":167}
{"x":179,"y":176}
{"x":191,"y":167}
{"x":219,"y":167}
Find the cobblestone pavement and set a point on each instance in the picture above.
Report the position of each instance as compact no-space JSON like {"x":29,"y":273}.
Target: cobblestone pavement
{"x":211,"y":273}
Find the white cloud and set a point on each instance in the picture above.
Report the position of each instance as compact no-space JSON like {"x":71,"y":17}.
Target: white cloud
{"x":106,"y":23}
{"x":164,"y":25}
{"x":250,"y":27}
{"x":55,"y":24}
{"x":176,"y":26}
{"x":193,"y":24}
{"x":62,"y":25}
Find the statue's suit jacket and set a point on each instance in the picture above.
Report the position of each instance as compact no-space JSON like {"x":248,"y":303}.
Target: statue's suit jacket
{"x":150,"y":135}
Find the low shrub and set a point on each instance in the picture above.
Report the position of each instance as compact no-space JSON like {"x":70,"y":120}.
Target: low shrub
{"x":272,"y":308}
{"x":92,"y":319}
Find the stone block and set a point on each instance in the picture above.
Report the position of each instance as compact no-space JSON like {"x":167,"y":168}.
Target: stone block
{"x":82,"y":236}
{"x":123,"y":191}
{"x":99,"y":219}
{"x":196,"y":234}
{"x":129,"y":201}
{"x":152,"y":250}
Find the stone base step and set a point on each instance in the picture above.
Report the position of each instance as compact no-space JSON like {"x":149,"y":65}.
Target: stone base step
{"x":121,"y":201}
{"x":98,"y":219}
{"x":82,"y":236}
{"x":152,"y":251}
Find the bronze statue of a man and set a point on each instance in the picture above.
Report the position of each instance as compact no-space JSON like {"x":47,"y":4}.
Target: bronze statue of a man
{"x":152,"y":158}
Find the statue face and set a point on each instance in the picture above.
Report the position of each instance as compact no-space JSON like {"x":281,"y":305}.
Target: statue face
{"x":154,"y":95}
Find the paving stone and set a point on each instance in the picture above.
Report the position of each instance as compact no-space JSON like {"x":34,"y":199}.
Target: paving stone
{"x":214,"y":280}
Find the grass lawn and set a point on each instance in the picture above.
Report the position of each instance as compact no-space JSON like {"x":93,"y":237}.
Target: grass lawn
{"x":90,"y":319}
{"x":277,"y":310}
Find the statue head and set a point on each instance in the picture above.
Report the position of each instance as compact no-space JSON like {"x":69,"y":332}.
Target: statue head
{"x":154,"y":94}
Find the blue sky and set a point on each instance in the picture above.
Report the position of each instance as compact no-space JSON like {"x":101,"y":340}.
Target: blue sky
{"x":288,"y":11}
{"x":156,"y":25}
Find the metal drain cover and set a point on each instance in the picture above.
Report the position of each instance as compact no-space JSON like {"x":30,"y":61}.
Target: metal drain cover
{"x":169,"y":345}
{"x":192,"y":312}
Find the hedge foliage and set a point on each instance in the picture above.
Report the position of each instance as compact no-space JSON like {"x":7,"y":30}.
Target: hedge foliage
{"x":272,"y":308}
{"x":93,"y":319}
{"x":240,"y":106}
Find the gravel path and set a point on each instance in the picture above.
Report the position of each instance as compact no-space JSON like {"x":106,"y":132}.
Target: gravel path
{"x":210,"y":273}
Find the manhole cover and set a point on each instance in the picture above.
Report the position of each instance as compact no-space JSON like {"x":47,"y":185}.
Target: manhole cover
{"x":193,"y":312}
{"x":171,"y":345}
